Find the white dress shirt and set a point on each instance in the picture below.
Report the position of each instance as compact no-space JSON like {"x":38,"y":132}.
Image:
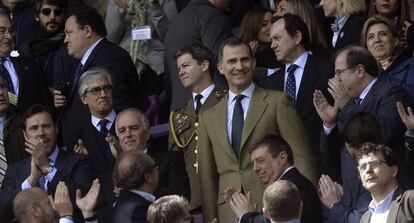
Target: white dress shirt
{"x":206,"y":92}
{"x":13,"y":75}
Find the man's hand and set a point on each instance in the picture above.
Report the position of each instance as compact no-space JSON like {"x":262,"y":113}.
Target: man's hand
{"x":406,"y":117}
{"x":80,"y":148}
{"x":87,"y":204}
{"x":62,"y":204}
{"x":38,"y":152}
{"x":35,"y":174}
{"x":330,"y":192}
{"x":338,"y":92}
{"x":240,"y":204}
{"x":113,"y":145}
{"x":325,"y":111}
{"x":58,"y":99}
{"x":228,"y":192}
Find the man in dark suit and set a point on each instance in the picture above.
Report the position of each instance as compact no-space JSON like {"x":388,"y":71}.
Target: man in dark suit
{"x":195,"y":66}
{"x":290,"y":41}
{"x":47,"y":165}
{"x":272,"y":161}
{"x":355,"y":88}
{"x":95,"y":90}
{"x":137,"y":174}
{"x":25,"y":80}
{"x":133,"y":131}
{"x":231,"y":126}
{"x":85,"y":39}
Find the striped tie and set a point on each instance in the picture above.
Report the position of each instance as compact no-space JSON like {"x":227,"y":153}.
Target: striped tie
{"x":3,"y":163}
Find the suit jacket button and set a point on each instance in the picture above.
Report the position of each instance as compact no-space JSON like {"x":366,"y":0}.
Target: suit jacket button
{"x":196,"y":138}
{"x":196,"y":124}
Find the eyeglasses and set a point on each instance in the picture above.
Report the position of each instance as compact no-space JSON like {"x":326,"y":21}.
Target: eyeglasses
{"x":47,"y":11}
{"x":339,"y":72}
{"x":97,"y":90}
{"x":373,"y":164}
{"x":3,"y":31}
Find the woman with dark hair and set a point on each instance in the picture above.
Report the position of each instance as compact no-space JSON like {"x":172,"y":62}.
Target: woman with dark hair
{"x":394,"y":10}
{"x":255,"y":31}
{"x":381,"y":39}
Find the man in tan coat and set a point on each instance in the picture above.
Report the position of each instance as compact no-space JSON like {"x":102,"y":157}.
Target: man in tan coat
{"x":230,"y":127}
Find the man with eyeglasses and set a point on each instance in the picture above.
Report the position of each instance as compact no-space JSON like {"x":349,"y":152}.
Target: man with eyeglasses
{"x":355,"y":88}
{"x":378,"y":170}
{"x":20,"y":72}
{"x":95,"y":91}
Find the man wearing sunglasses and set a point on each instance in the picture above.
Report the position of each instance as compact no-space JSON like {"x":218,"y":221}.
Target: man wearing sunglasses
{"x":378,"y":170}
{"x":43,"y":43}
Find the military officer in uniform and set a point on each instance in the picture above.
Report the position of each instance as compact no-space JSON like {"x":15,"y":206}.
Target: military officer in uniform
{"x":195,"y":66}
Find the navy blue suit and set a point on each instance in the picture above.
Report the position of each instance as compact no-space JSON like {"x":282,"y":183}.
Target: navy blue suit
{"x":311,"y":211}
{"x":125,"y":85}
{"x":129,"y":208}
{"x":75,"y":170}
{"x":381,"y":102}
{"x":315,"y":77}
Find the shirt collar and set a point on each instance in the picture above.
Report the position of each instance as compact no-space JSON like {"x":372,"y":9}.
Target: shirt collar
{"x":248,"y":92}
{"x":89,"y":51}
{"x":149,"y":197}
{"x":284,"y":172}
{"x":300,"y":61}
{"x":111,"y":118}
{"x":52,"y":157}
{"x":367,"y":88}
{"x":384,"y":205}
{"x":206,"y":92}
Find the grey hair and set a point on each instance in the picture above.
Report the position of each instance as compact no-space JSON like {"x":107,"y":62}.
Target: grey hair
{"x":139,"y":113}
{"x":91,"y":75}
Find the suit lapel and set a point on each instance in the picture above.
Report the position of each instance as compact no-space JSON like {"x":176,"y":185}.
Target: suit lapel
{"x":395,"y":206}
{"x":93,"y":54}
{"x":220,"y":126}
{"x":308,"y":79}
{"x":371,"y":95}
{"x":278,"y":79}
{"x":256,"y":108}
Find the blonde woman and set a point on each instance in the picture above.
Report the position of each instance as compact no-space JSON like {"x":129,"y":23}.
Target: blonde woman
{"x":349,"y":19}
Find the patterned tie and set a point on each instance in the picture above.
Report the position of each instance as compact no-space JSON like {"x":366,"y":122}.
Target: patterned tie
{"x":6,"y":76}
{"x":103,"y":130}
{"x":237,"y":124}
{"x":198,"y":102}
{"x":41,"y":183}
{"x":78,"y":73}
{"x":3,"y":163}
{"x":290,"y":88}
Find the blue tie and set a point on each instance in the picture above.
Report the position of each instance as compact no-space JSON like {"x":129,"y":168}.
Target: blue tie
{"x":42,"y":182}
{"x":198,"y":102}
{"x":78,"y":72}
{"x":290,"y":88}
{"x":103,"y":130}
{"x":6,"y":76}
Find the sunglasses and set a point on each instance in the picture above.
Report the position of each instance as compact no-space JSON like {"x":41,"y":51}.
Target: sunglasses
{"x":47,"y":11}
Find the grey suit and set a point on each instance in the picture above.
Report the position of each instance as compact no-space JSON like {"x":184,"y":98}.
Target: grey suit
{"x":401,"y":209}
